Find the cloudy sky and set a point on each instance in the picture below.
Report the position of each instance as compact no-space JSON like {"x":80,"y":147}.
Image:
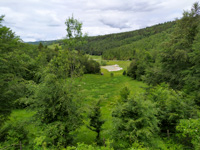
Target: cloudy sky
{"x":35,"y":20}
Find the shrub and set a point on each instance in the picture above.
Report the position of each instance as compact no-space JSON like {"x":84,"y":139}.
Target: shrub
{"x":112,"y":74}
{"x":103,"y":63}
{"x":124,"y":73}
{"x":189,"y":132}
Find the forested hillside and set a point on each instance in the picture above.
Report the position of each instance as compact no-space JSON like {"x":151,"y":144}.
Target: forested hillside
{"x":113,"y":46}
{"x":43,"y":42}
{"x":112,"y":43}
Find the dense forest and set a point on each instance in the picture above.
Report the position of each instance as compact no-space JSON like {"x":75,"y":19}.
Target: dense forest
{"x":68,"y":102}
{"x":113,"y":46}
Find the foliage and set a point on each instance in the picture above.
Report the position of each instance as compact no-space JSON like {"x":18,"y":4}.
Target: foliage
{"x":73,"y":28}
{"x":14,"y":69}
{"x":91,"y":66}
{"x":174,"y":61}
{"x":96,"y":121}
{"x":124,"y":93}
{"x":189,"y":132}
{"x":56,"y":101}
{"x":111,"y":74}
{"x":40,"y":46}
{"x":172,"y":106}
{"x":74,"y":36}
{"x":82,"y":146}
{"x":192,"y":79}
{"x":12,"y":134}
{"x":131,"y":70}
{"x":135,"y":120}
{"x":121,"y":46}
{"x":103,"y":63}
{"x":124,"y":73}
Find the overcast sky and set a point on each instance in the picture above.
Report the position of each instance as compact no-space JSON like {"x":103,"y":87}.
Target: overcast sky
{"x":35,"y":20}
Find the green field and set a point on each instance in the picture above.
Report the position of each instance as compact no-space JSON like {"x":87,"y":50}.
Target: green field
{"x":53,"y":46}
{"x":107,"y":89}
{"x":92,"y":88}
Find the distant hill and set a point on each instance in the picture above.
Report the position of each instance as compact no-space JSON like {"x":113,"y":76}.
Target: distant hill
{"x":123,"y":45}
{"x":43,"y":42}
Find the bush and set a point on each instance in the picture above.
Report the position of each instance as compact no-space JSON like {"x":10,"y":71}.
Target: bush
{"x":92,"y":66}
{"x":135,"y":120}
{"x":124,"y":73}
{"x":12,"y":133}
{"x":112,"y":74}
{"x":189,"y":132}
{"x":103,"y":63}
{"x":131,"y":70}
{"x":172,"y":106}
{"x":124,"y":93}
{"x":82,"y":146}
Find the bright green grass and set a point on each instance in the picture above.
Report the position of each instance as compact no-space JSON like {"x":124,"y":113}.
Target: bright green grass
{"x":107,"y":89}
{"x":24,"y":115}
{"x":18,"y":115}
{"x":52,"y":46}
{"x":98,"y":58}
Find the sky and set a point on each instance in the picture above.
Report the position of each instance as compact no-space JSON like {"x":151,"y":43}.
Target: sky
{"x":36,"y":20}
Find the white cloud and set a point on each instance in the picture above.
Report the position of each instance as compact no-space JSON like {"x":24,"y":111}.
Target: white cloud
{"x":44,"y":19}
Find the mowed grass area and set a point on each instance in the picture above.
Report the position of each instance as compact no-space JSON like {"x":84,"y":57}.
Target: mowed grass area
{"x":92,"y":88}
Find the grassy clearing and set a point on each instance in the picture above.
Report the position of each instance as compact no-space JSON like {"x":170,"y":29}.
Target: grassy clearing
{"x":52,"y":46}
{"x":107,"y":89}
{"x":97,"y":58}
{"x":92,"y":88}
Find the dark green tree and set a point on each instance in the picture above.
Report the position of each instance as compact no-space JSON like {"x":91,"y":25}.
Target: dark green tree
{"x":135,"y":120}
{"x":56,"y":48}
{"x":175,"y":56}
{"x":111,"y":74}
{"x":40,"y":46}
{"x":13,"y":69}
{"x":189,"y":133}
{"x":192,"y":85}
{"x":96,"y":121}
{"x":172,"y":106}
{"x":91,"y":66}
{"x":124,"y":93}
{"x":124,"y":73}
{"x":131,"y":70}
{"x":56,"y":101}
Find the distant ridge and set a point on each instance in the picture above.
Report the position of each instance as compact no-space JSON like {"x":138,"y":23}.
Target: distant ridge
{"x":43,"y":42}
{"x":116,"y":36}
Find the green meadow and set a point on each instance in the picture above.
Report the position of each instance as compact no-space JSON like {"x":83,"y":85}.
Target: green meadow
{"x":92,"y":88}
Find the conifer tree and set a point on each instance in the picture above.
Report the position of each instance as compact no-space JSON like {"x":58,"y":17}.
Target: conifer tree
{"x":40,"y":46}
{"x":175,"y":56}
{"x":96,"y":121}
